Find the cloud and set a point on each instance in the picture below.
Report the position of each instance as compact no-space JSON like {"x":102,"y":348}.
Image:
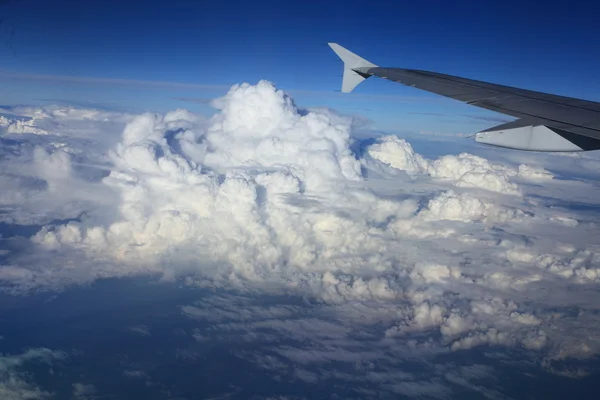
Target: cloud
{"x":341,"y":344}
{"x":55,"y":168}
{"x":135,"y":374}
{"x":398,"y":154}
{"x":82,"y":391}
{"x":464,"y":207}
{"x":452,"y":253}
{"x":472,"y":171}
{"x":466,"y":170}
{"x":201,"y":100}
{"x":140,"y":330}
{"x":21,"y":126}
{"x":15,"y":383}
{"x":491,"y":336}
{"x":533,"y":173}
{"x":105,"y":81}
{"x":87,"y":80}
{"x":430,"y":114}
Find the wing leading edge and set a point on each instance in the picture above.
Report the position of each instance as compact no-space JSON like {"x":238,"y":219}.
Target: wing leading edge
{"x":552,"y":118}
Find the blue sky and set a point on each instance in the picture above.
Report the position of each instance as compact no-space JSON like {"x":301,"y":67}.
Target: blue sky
{"x":208,"y":46}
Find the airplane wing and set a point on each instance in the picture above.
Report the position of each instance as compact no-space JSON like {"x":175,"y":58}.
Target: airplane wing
{"x":546,"y":122}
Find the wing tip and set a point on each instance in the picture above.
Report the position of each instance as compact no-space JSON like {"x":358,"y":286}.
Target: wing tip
{"x":351,"y":61}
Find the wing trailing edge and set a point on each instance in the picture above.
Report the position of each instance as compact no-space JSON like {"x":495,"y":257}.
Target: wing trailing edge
{"x":525,"y":135}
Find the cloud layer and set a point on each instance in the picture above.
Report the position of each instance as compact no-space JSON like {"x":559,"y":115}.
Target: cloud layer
{"x":458,"y":250}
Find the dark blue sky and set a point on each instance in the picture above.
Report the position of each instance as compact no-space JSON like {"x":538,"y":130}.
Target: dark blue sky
{"x":549,"y":47}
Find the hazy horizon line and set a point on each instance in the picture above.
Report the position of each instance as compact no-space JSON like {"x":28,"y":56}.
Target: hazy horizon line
{"x":189,"y":85}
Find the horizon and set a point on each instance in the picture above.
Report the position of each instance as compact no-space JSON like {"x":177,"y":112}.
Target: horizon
{"x":136,"y":57}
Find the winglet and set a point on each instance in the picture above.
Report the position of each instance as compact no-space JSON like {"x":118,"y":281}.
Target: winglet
{"x":352,"y":62}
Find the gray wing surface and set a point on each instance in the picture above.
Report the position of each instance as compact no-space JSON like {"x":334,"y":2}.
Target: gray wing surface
{"x":559,"y":113}
{"x":578,"y":116}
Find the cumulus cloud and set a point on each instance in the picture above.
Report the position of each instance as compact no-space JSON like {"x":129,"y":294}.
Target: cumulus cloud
{"x":265,"y":197}
{"x":398,"y":154}
{"x":472,"y":171}
{"x":465,"y":170}
{"x":465,"y":207}
{"x":246,"y":169}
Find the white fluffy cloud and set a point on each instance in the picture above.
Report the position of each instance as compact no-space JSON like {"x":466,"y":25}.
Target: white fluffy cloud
{"x":398,"y":154}
{"x":465,"y":170}
{"x":233,"y":188}
{"x":472,"y":171}
{"x":263,"y":196}
{"x":465,"y":207}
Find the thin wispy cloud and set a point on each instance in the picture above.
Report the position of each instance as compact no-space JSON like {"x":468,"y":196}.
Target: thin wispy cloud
{"x":429,"y":114}
{"x":199,"y":100}
{"x":86,"y":80}
{"x":108,"y":81}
